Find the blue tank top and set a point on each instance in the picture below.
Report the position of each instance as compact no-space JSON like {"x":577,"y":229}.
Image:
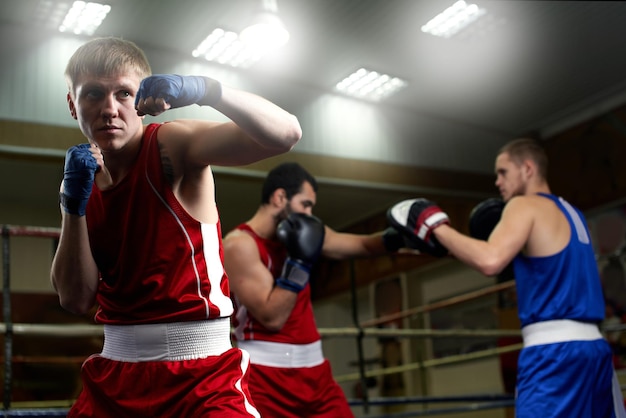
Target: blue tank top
{"x":565,"y":285}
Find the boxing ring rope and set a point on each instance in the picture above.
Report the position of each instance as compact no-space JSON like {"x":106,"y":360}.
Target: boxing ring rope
{"x":6,"y":315}
{"x":457,"y":358}
{"x":440,"y":304}
{"x":478,"y":402}
{"x":450,"y":410}
{"x":364,"y":329}
{"x":7,"y":232}
{"x":53,"y":330}
{"x":417,"y":333}
{"x":83,"y":330}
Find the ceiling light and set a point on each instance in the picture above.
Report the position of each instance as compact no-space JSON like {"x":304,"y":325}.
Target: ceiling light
{"x":453,"y":19}
{"x":266,"y":33}
{"x":84,"y":17}
{"x":225,"y":47}
{"x":266,"y":30}
{"x":371,"y":85}
{"x":50,"y":13}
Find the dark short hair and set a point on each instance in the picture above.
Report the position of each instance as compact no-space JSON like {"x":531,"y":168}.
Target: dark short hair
{"x":527,"y":149}
{"x":288,"y":176}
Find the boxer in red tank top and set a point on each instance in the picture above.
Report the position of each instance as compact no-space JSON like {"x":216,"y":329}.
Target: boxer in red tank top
{"x":274,"y":322}
{"x":140,"y":234}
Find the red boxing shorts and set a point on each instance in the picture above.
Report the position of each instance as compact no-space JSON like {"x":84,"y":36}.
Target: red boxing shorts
{"x":298,"y":392}
{"x":215,"y":386}
{"x":187,"y":369}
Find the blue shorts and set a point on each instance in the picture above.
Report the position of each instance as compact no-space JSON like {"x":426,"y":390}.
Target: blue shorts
{"x":567,"y":379}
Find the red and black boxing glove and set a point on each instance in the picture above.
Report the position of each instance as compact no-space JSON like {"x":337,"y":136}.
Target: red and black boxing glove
{"x":415,"y":219}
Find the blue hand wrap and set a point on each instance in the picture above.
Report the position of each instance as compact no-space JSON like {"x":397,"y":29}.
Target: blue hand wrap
{"x":295,"y":275}
{"x":78,"y":176}
{"x":180,"y":91}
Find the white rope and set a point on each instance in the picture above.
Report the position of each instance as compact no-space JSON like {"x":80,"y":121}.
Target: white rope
{"x":420,"y":333}
{"x":85,"y":330}
{"x":56,"y":330}
{"x":433,"y":362}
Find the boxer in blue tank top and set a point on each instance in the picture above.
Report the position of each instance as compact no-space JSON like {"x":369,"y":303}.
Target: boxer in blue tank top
{"x":565,"y":368}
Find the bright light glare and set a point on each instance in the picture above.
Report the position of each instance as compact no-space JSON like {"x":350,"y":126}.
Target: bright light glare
{"x":84,"y":17}
{"x":267,"y":31}
{"x":225,"y":47}
{"x":265,"y":34}
{"x":453,"y":19}
{"x":371,"y":85}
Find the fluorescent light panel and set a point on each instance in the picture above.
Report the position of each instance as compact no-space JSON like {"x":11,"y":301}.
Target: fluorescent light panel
{"x":453,"y":19}
{"x":225,"y":47}
{"x":370,"y":85}
{"x":84,"y":17}
{"x":50,"y":13}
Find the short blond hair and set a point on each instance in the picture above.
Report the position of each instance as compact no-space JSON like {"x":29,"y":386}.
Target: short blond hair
{"x":106,"y":57}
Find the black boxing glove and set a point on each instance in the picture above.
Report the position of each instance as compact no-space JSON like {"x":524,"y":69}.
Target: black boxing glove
{"x":482,"y":221}
{"x":303,"y":236}
{"x":415,"y":219}
{"x":393,"y":240}
{"x":484,"y":217}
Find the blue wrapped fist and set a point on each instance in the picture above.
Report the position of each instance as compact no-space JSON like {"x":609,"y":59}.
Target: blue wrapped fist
{"x":78,"y":176}
{"x":180,"y":91}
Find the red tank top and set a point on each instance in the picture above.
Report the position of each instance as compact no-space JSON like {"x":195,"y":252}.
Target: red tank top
{"x":300,"y":327}
{"x":156,"y":262}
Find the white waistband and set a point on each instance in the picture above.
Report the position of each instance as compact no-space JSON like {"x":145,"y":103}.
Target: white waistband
{"x":265,"y":353}
{"x":558,"y":331}
{"x":167,"y":342}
